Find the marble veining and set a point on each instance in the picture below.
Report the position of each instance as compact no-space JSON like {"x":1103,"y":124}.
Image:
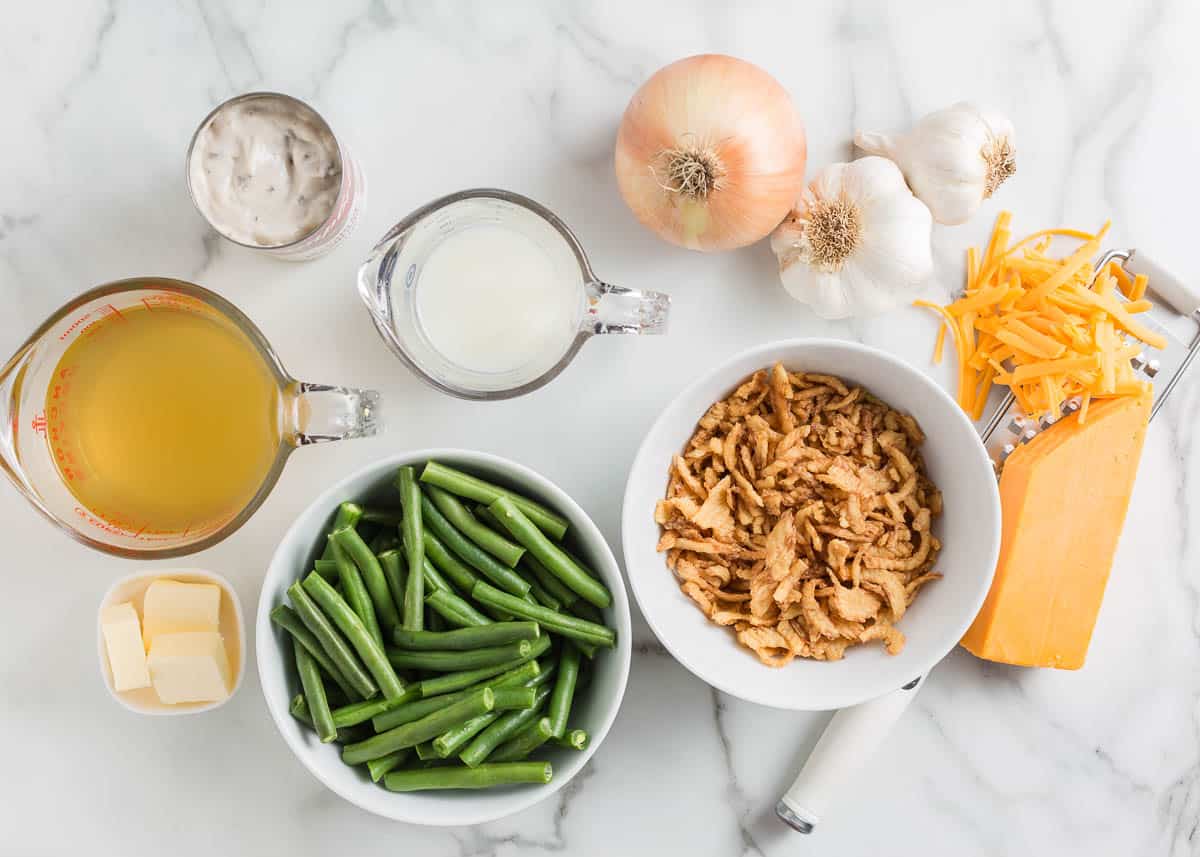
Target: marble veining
{"x":100,"y":98}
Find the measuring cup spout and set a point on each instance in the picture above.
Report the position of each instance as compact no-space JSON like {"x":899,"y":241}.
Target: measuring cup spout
{"x":10,"y":394}
{"x":321,"y":412}
{"x":615,"y":309}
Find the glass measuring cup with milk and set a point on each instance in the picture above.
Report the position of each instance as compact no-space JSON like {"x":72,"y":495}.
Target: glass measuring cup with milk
{"x":486,"y":294}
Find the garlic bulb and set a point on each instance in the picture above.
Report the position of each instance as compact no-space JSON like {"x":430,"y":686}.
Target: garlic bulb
{"x":856,"y":241}
{"x":953,"y":159}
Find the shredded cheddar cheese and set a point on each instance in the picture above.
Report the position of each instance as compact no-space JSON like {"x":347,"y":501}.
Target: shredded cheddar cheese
{"x":1036,"y":324}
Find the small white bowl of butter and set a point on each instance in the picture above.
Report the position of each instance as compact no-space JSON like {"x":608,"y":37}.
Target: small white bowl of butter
{"x":182,"y":662}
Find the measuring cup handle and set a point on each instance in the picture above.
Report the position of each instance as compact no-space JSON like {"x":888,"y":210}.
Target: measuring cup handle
{"x":614,"y":309}
{"x":320,"y":412}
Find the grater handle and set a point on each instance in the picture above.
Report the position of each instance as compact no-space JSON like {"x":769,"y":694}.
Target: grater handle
{"x":850,"y":739}
{"x":1183,"y":297}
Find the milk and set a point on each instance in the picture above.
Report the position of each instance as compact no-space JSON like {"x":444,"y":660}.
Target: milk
{"x":491,"y":299}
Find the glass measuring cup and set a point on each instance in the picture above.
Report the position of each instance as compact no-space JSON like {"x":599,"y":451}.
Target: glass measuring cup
{"x":306,"y":413}
{"x":391,"y":279}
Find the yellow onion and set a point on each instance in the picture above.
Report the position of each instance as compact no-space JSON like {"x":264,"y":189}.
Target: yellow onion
{"x":710,"y":153}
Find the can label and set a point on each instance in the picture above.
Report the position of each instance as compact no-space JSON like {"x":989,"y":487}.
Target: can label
{"x":342,"y":221}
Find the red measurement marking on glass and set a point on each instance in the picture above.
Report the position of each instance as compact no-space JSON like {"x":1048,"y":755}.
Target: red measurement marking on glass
{"x":39,"y":424}
{"x":173,"y":300}
{"x":71,"y":328}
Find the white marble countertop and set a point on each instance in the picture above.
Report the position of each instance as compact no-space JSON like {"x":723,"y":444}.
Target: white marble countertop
{"x":99,"y":101}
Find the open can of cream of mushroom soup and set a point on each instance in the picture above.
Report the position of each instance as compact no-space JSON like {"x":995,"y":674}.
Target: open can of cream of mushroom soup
{"x":266,"y":172}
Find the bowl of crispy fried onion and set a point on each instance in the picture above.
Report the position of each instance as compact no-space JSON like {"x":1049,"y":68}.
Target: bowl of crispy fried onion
{"x":812,"y":524}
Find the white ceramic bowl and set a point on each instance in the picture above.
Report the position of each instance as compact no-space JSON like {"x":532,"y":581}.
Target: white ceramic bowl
{"x":969,"y":530}
{"x":595,"y":707}
{"x":133,"y":588}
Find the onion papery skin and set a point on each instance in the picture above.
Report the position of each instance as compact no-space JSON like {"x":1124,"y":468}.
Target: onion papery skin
{"x":741,"y":116}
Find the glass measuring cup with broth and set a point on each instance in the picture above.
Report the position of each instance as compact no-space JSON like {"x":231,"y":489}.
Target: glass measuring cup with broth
{"x":485,"y":294}
{"x":150,"y":417}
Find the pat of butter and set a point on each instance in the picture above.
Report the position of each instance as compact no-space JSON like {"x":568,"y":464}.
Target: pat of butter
{"x":191,"y":666}
{"x":171,"y":607}
{"x":123,"y":641}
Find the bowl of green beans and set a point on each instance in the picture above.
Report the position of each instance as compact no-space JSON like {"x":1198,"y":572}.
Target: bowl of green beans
{"x":443,"y":637}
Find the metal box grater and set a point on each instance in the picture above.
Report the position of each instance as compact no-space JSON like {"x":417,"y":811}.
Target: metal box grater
{"x":1175,"y":314}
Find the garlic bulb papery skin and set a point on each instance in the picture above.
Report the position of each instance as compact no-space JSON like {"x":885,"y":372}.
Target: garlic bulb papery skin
{"x":856,"y":242}
{"x":953,"y":159}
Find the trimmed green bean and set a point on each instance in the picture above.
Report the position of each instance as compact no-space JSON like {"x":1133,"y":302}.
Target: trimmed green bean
{"x":484,"y":515}
{"x":558,"y":623}
{"x":483,"y":777}
{"x":485,"y":537}
{"x":372,"y":575}
{"x":378,"y":767}
{"x":456,"y":611}
{"x":452,"y":740}
{"x":372,"y":654}
{"x":450,"y":565}
{"x":347,"y":515}
{"x":517,"y":748}
{"x":466,"y":550}
{"x":548,"y":670}
{"x":549,"y":582}
{"x":394,"y":573}
{"x":327,"y":568}
{"x":299,"y":710}
{"x":515,"y":698}
{"x":287,"y":619}
{"x":549,"y":554}
{"x":507,"y":699}
{"x":588,"y":650}
{"x":360,"y":712}
{"x":434,"y":582}
{"x":460,"y":574}
{"x":385,"y":516}
{"x":341,"y":654}
{"x":528,"y":672}
{"x":452,"y":661}
{"x":426,"y":752}
{"x":564,"y":690}
{"x":473,"y":488}
{"x":429,"y":726}
{"x":354,"y":590}
{"x":449,"y":682}
{"x":463,"y":639}
{"x":576,"y":739}
{"x":589,"y":613}
{"x":314,"y":693}
{"x":536,"y":592}
{"x":505,"y":727}
{"x":412,"y":525}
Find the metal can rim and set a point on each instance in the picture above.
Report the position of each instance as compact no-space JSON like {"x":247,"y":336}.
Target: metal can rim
{"x":246,"y":96}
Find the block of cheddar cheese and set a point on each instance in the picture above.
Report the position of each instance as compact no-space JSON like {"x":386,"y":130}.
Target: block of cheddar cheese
{"x":1063,"y":498}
